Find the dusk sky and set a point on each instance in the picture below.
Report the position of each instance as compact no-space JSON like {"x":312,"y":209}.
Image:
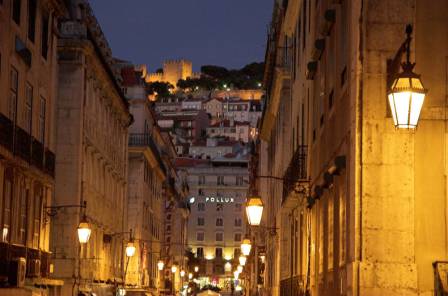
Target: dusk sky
{"x":230,"y":33}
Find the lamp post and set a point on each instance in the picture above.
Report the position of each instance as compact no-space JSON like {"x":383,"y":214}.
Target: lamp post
{"x":173,"y":271}
{"x":406,"y":92}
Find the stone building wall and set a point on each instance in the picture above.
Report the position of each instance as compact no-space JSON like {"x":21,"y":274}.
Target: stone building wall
{"x":27,"y":141}
{"x":369,"y":232}
{"x":91,"y":114}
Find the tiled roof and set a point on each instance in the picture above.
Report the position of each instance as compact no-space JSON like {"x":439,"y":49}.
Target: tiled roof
{"x":129,"y":76}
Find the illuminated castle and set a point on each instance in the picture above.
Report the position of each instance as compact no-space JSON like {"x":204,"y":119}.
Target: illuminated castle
{"x":173,"y":70}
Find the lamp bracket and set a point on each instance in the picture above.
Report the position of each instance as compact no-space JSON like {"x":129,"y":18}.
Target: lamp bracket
{"x":53,"y":210}
{"x":393,"y":65}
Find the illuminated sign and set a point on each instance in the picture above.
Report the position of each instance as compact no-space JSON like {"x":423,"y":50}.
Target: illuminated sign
{"x":219,"y":199}
{"x":212,"y":199}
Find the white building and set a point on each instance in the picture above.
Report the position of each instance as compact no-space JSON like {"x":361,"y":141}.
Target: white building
{"x":216,"y":226}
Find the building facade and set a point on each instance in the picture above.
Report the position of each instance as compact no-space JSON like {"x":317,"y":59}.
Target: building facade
{"x":92,"y":113}
{"x":360,"y":211}
{"x":28,"y":41}
{"x":216,"y":226}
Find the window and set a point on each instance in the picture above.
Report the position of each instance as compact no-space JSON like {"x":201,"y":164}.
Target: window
{"x":16,"y":6}
{"x":220,"y":180}
{"x":201,"y":180}
{"x":238,"y":222}
{"x":37,"y":208}
{"x":219,"y":207}
{"x":44,"y":36}
{"x":28,"y":116}
{"x":239,"y":181}
{"x":219,"y":236}
{"x":201,"y":207}
{"x":7,"y":200}
{"x":23,"y":205}
{"x":14,"y":87}
{"x":218,"y":252}
{"x":41,"y":133}
{"x":200,"y":236}
{"x":32,"y":5}
{"x":237,"y":237}
{"x":238,"y":207}
{"x":201,"y":221}
{"x":219,"y":222}
{"x":200,"y":252}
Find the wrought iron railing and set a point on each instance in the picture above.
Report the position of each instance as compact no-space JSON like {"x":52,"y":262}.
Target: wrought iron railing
{"x":37,"y":153}
{"x":50,"y":162}
{"x":296,"y":170}
{"x":6,"y":132}
{"x":440,"y":278}
{"x":145,"y":140}
{"x":23,"y":145}
{"x":292,"y":286}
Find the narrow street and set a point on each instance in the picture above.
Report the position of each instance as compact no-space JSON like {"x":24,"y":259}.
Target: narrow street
{"x":223,"y":148}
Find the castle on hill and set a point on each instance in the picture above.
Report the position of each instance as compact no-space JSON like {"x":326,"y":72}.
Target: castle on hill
{"x":173,"y":71}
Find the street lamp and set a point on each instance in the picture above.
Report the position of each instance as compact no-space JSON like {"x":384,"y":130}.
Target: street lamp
{"x":173,"y":269}
{"x":130,"y":249}
{"x":246,"y":246}
{"x":190,"y":276}
{"x":254,"y":210}
{"x":239,"y":269}
{"x":182,"y":273}
{"x":160,"y":265}
{"x":406,"y":93}
{"x":242,"y":260}
{"x":196,"y":268}
{"x":84,"y":231}
{"x":236,"y":274}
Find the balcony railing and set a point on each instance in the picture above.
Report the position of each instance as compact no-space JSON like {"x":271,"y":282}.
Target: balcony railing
{"x":22,"y":144}
{"x":145,"y":140}
{"x":292,"y":286}
{"x":6,"y":132}
{"x":296,"y":170}
{"x":9,"y":252}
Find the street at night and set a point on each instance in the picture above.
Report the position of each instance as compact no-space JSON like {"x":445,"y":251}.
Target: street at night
{"x":223,"y":148}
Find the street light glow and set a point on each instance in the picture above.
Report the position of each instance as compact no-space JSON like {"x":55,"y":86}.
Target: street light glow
{"x":254,"y":210}
{"x":242,"y":260}
{"x":246,"y":246}
{"x":84,"y":231}
{"x":130,"y":249}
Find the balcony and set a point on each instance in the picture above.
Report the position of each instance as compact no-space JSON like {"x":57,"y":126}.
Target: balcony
{"x":22,"y":144}
{"x":292,"y":286}
{"x":6,"y":132}
{"x":296,"y":171}
{"x":11,"y":252}
{"x":145,"y":140}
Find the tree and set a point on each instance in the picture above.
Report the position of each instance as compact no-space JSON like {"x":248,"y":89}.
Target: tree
{"x":215,"y":71}
{"x":160,"y":89}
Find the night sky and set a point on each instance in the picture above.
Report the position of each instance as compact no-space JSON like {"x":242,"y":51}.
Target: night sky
{"x":230,"y":33}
